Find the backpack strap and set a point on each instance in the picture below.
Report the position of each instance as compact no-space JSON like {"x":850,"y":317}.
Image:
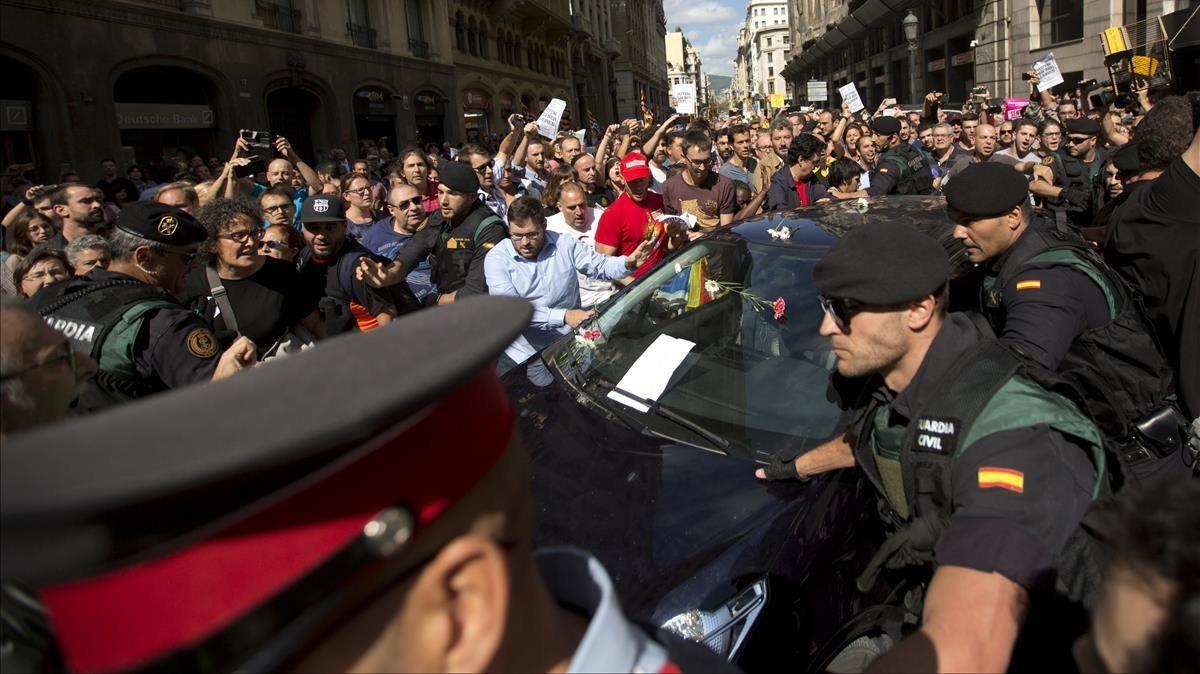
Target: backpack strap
{"x":221,"y":297}
{"x":483,"y":225}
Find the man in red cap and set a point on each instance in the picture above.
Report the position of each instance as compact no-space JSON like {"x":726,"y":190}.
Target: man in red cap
{"x":377,"y":533}
{"x":634,"y":217}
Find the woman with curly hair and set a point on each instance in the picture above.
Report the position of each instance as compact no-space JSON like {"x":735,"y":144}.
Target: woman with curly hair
{"x":265,"y":296}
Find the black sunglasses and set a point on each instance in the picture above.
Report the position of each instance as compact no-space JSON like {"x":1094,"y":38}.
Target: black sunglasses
{"x":405,"y":203}
{"x":842,"y":310}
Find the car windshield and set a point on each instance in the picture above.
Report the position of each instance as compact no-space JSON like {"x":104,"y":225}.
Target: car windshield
{"x":757,"y":372}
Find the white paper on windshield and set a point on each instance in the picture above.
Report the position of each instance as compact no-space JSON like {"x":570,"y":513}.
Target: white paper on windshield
{"x":849,"y":94}
{"x":652,"y":371}
{"x":551,"y":116}
{"x":1047,"y":70}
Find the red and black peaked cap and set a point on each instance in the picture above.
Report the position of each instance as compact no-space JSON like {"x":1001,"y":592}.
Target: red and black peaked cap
{"x":217,"y":527}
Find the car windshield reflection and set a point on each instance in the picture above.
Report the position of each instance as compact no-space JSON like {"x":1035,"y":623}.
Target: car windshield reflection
{"x":758,"y":372}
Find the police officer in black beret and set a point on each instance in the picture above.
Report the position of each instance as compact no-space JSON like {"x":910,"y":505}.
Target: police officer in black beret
{"x":901,"y":169}
{"x":347,"y":539}
{"x":1083,"y":143}
{"x":128,"y":319}
{"x":456,"y":239}
{"x":1049,"y":294}
{"x":977,"y":465}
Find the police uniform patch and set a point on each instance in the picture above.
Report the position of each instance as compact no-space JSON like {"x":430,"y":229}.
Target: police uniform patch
{"x":937,"y":435}
{"x":1003,"y":478}
{"x":167,"y":225}
{"x":488,"y":246}
{"x":1032,"y":284}
{"x":1048,"y":161}
{"x":201,"y":343}
{"x":883,"y":169}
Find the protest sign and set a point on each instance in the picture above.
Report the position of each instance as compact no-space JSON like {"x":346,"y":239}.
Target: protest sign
{"x":551,"y":116}
{"x":1047,"y":69}
{"x":849,"y":94}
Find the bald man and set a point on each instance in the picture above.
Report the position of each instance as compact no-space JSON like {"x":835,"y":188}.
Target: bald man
{"x":40,"y":374}
{"x":987,"y":138}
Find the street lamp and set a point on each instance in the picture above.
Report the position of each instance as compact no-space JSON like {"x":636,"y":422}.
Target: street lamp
{"x":909,"y":24}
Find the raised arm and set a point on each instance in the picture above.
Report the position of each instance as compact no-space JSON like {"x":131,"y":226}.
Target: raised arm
{"x":523,"y":147}
{"x":509,"y":143}
{"x":310,"y":176}
{"x":648,"y":148}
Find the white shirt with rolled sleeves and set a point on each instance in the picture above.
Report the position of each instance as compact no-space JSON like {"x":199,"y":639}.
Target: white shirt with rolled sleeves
{"x":591,"y":291}
{"x":550,"y":282}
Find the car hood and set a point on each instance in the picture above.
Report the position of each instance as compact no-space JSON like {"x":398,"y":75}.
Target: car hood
{"x":678,"y":527}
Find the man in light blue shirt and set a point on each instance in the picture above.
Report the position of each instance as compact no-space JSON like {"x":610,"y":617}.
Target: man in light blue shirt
{"x":542,"y":267}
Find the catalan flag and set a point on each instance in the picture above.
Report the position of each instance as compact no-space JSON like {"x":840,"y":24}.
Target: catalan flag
{"x":1004,"y":478}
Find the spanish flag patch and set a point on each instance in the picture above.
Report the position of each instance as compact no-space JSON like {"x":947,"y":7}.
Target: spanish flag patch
{"x":1004,"y":478}
{"x":1032,"y":284}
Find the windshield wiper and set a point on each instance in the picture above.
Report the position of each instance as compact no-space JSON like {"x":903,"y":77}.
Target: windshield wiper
{"x":667,"y":413}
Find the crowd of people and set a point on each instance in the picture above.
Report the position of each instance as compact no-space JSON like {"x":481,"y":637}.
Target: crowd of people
{"x":1081,"y":224}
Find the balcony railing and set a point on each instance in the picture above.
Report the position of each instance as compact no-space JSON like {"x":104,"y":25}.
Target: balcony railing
{"x":419,"y":48}
{"x":278,"y":16}
{"x":360,"y":35}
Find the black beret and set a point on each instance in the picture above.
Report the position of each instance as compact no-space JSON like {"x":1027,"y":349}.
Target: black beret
{"x":458,"y":176}
{"x":882,"y":264}
{"x":885,"y":125}
{"x":1082,"y":125}
{"x":1126,"y":158}
{"x":323,"y":208}
{"x":986,"y":190}
{"x":160,"y":222}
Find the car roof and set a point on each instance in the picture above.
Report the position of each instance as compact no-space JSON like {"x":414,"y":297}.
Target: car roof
{"x":821,"y":225}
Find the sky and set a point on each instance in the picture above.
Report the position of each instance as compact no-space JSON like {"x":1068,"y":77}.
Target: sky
{"x":711,"y":26}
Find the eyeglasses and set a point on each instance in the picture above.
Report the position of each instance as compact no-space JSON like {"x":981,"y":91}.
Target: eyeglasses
{"x":532,"y":236}
{"x":276,"y":245}
{"x":242,"y":236}
{"x":1076,"y":140}
{"x":841,"y":310}
{"x":407,"y":203}
{"x":361,"y":190}
{"x":1006,"y":132}
{"x":54,"y":275}
{"x":66,"y":352}
{"x":279,"y":208}
{"x":483,"y":169}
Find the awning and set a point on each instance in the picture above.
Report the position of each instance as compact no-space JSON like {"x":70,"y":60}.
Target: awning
{"x":870,"y":14}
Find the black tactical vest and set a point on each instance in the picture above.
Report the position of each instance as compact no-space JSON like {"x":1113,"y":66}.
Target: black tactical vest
{"x":103,"y":319}
{"x":988,"y":389}
{"x":1125,"y":380}
{"x":456,"y":248}
{"x":915,"y":175}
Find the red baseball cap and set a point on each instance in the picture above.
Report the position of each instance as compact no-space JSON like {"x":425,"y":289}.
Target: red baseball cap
{"x":634,"y":166}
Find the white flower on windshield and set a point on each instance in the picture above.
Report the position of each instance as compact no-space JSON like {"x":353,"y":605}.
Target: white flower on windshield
{"x":861,"y":205}
{"x":781,"y":233}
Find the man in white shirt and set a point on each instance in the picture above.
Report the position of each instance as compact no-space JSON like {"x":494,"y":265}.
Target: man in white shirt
{"x":575,"y":218}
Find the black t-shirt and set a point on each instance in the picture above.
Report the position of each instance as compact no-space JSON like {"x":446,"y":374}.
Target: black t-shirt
{"x":266,"y":304}
{"x":1154,"y":243}
{"x":322,"y":278}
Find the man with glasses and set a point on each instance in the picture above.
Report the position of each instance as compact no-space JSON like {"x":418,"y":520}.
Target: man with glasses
{"x":40,"y":372}
{"x":128,"y":319}
{"x":455,"y":241}
{"x":948,"y":159}
{"x":486,"y":171}
{"x":992,"y":485}
{"x":388,"y":236}
{"x":1004,"y":135}
{"x":279,"y":206}
{"x":698,"y":191}
{"x":543,"y":267}
{"x":1083,"y":144}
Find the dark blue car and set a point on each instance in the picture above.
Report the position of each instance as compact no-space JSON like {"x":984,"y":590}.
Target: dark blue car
{"x":661,"y":488}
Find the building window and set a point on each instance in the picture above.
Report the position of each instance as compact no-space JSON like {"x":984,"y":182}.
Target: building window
{"x":770,"y":72}
{"x":787,"y":39}
{"x":771,"y":87}
{"x":770,"y":57}
{"x":460,"y":32}
{"x":1061,"y":20}
{"x":768,"y":42}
